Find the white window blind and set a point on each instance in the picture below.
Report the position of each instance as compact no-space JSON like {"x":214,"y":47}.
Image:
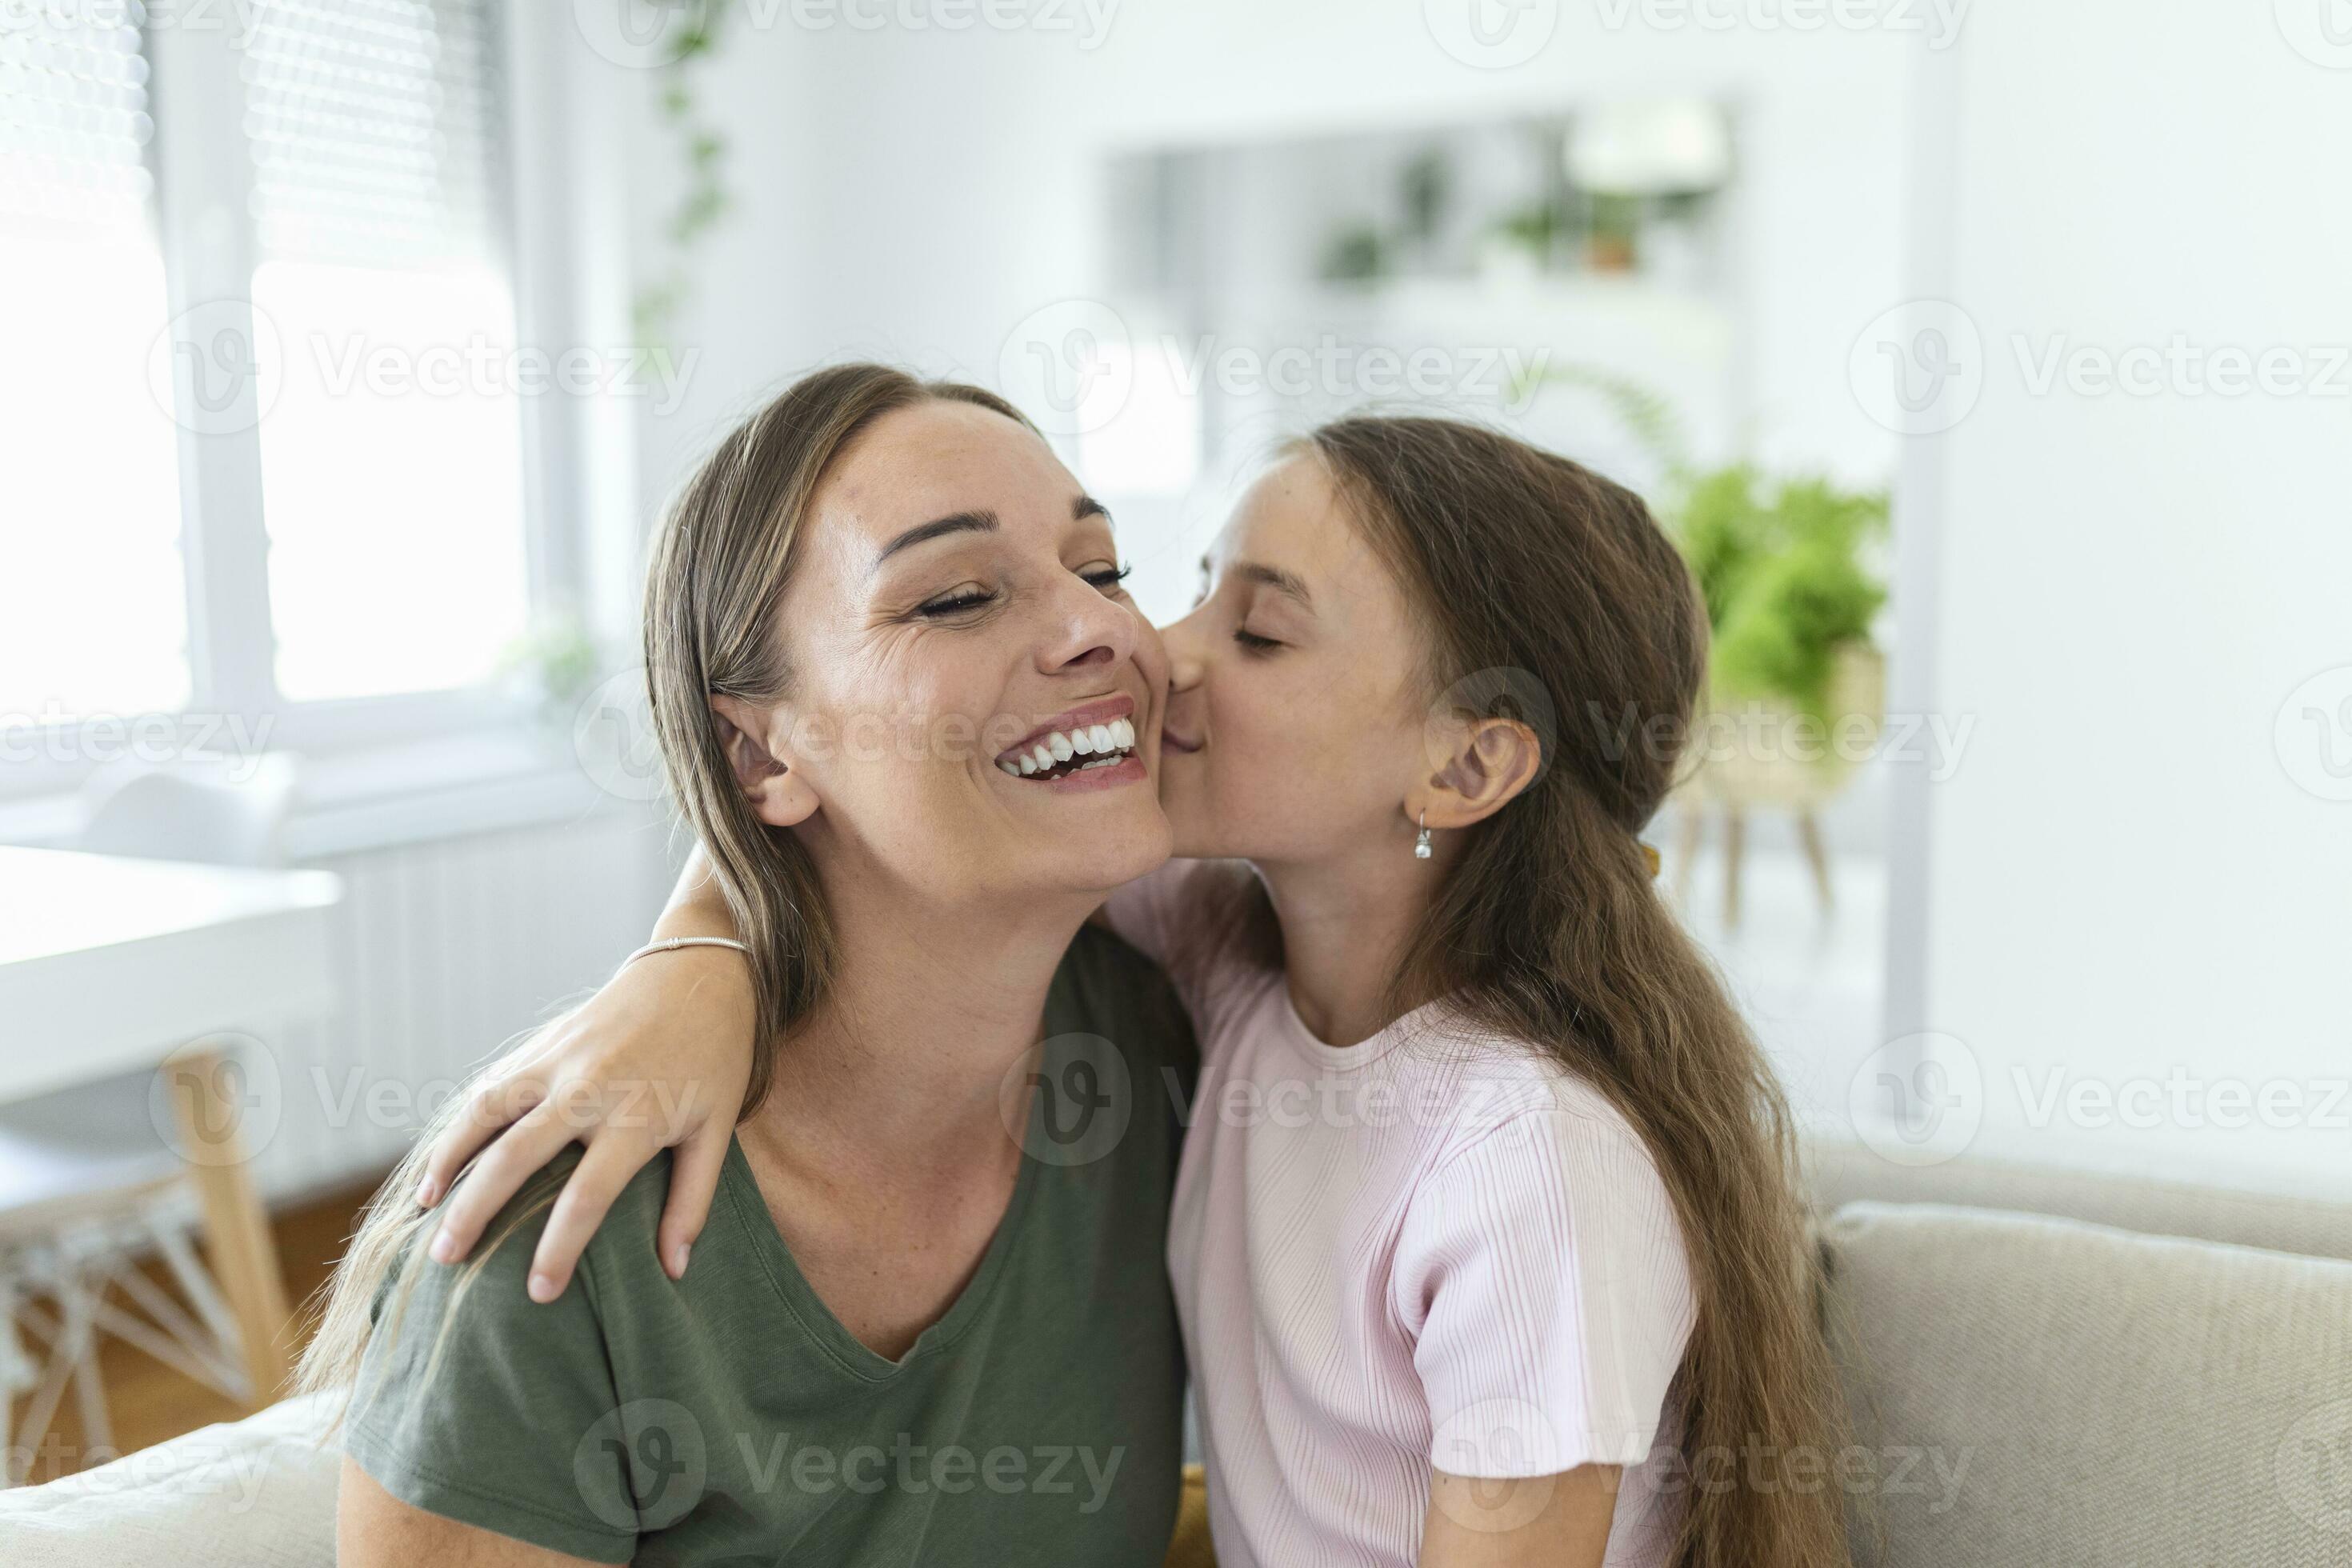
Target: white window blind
{"x":374,"y":129}
{"x":391,"y":451}
{"x":96,"y":621}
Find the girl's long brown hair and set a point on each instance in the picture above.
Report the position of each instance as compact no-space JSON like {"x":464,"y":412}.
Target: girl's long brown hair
{"x":1543,"y":584}
{"x":714,"y":588}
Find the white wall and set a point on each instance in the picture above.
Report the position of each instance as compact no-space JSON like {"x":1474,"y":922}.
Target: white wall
{"x":2124,"y":873}
{"x":914,"y":194}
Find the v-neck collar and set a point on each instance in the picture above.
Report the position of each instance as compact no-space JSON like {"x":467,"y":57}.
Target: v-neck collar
{"x":825,"y":1330}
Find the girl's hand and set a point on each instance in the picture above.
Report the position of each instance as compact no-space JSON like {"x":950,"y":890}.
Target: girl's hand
{"x":659,"y":1059}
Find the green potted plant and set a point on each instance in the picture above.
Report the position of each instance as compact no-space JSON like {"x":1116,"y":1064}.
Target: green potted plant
{"x":1796,"y":687}
{"x":1612,"y":242}
{"x":550,"y":667}
{"x":1789,"y":592}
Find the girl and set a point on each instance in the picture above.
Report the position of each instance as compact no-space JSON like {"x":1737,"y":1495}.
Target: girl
{"x":1486,"y":1240}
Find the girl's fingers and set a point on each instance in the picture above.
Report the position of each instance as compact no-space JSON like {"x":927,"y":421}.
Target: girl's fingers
{"x":587,"y":1197}
{"x":497,"y":1174}
{"x":490,"y":1109}
{"x":693,"y":1185}
{"x":515,"y":1087}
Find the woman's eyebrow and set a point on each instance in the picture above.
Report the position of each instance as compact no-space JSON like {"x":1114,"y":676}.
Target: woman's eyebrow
{"x":978,"y":521}
{"x":923,"y":532}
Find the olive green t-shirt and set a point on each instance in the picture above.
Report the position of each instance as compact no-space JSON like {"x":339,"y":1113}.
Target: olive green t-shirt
{"x":729,"y":1419}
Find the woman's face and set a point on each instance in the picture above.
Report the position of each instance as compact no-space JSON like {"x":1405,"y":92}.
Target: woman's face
{"x":1294,"y":725}
{"x":957,"y":608}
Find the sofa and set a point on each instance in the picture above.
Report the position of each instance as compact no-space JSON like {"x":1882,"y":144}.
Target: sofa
{"x":2044,"y":1368}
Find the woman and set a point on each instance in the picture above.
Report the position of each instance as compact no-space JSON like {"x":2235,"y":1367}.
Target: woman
{"x":1485,"y":1238}
{"x":889,"y":1350}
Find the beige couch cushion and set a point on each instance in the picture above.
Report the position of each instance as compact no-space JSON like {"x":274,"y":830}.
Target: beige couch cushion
{"x":2070,"y":1394}
{"x":1841,"y":1170}
{"x":257,"y":1493}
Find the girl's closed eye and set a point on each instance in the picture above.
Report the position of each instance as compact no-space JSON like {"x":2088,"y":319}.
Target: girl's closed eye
{"x":1252,"y":643}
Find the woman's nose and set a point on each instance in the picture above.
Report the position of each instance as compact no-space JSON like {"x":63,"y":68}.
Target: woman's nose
{"x":1092,"y":629}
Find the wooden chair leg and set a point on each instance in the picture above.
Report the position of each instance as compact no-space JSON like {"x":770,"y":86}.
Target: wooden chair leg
{"x":1689,"y":833}
{"x":89,"y":1399}
{"x":1808,"y":833}
{"x":236,"y":1228}
{"x":1735,"y":846}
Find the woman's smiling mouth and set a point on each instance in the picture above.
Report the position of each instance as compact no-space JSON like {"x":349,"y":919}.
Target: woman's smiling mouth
{"x":1095,"y":740}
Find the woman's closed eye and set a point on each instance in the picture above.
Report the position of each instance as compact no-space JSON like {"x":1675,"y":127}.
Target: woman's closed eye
{"x":973,"y":596}
{"x":956,"y":602}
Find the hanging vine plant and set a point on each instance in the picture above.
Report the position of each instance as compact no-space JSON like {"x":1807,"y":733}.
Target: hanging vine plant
{"x":705,"y":198}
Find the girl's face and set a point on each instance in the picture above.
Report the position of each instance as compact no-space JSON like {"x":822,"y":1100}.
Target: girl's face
{"x":956,"y":610}
{"x":1295,"y":727}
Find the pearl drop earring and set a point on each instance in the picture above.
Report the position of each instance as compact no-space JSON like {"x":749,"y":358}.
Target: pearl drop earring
{"x":1421,"y":846}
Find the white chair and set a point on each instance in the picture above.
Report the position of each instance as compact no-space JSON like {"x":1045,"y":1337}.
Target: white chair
{"x":91,"y":1185}
{"x":156,"y":814}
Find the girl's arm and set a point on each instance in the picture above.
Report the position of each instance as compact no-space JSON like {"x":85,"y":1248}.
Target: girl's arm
{"x":659,"y":1059}
{"x":1541,"y":1521}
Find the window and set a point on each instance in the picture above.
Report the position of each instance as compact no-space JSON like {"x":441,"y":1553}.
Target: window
{"x":371,"y":130}
{"x":92,"y":488}
{"x":266,"y":449}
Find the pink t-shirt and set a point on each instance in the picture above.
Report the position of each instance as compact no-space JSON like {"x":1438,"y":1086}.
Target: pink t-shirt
{"x":1434,"y":1248}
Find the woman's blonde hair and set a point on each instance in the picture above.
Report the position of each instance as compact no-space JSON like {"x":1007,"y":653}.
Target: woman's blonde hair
{"x":722,"y":562}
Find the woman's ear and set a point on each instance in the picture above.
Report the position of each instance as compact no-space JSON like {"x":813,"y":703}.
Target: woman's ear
{"x":1493,"y":760}
{"x":779,"y":793}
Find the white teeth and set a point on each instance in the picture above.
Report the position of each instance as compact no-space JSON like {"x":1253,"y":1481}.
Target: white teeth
{"x":1098,"y":743}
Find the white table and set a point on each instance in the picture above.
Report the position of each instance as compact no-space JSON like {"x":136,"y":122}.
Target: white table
{"x":109,"y":965}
